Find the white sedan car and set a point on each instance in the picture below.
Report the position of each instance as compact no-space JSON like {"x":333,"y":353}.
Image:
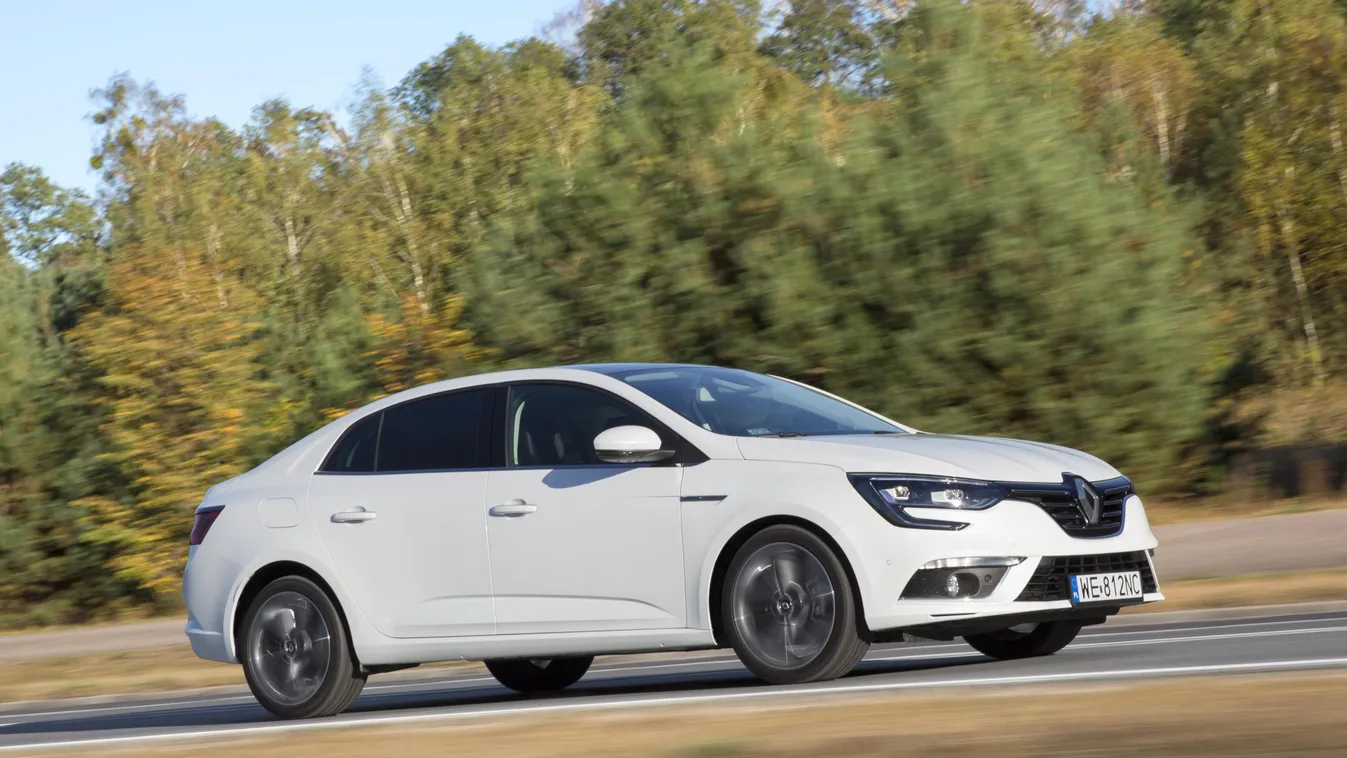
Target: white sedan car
{"x":534,"y":519}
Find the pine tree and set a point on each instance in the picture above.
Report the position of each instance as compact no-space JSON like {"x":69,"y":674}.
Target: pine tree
{"x":957,"y":258}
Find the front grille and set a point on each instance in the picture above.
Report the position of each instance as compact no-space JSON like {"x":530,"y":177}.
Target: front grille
{"x":1051,"y":579}
{"x":1059,"y":501}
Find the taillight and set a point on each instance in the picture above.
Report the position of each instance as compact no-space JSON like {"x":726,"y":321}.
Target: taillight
{"x":205,"y":517}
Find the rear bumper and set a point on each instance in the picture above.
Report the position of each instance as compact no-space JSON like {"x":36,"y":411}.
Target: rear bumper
{"x":207,"y":644}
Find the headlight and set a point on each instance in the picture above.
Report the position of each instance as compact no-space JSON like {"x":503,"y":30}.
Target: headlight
{"x":891,"y":494}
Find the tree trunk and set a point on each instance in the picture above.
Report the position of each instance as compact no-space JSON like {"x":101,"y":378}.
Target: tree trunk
{"x":1335,"y":133}
{"x":1288,"y":229}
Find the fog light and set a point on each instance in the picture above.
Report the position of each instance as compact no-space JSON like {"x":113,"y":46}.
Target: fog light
{"x":952,"y":585}
{"x":960,"y":583}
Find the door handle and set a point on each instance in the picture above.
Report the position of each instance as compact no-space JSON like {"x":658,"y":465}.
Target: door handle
{"x":512,"y":509}
{"x":357,"y":515}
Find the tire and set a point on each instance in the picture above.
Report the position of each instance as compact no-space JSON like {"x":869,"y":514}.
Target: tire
{"x":1014,"y":643}
{"x":296,"y":655}
{"x":788,"y":608}
{"x":531,"y":675}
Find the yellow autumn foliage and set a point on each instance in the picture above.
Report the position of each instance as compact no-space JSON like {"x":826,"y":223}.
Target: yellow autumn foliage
{"x":178,"y":353}
{"x":423,"y":345}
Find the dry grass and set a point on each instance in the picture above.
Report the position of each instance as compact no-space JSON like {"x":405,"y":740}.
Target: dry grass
{"x":176,"y":668}
{"x":1163,"y":512}
{"x":1254,"y":589}
{"x":1229,"y":716}
{"x":172,"y":668}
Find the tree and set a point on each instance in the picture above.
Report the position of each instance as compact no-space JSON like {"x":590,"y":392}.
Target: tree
{"x":624,"y":38}
{"x":42,"y":224}
{"x":1126,"y":62}
{"x":1278,"y":69}
{"x":49,"y":421}
{"x":179,"y":369}
{"x":825,"y":42}
{"x":957,"y":258}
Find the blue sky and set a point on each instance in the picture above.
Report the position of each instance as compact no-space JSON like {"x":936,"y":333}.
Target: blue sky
{"x":226,"y":57}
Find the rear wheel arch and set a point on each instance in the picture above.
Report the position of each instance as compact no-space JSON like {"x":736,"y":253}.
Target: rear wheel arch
{"x":731,"y":547}
{"x":270,"y":573}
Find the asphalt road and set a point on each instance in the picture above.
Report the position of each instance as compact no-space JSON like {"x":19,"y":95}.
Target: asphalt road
{"x":1282,"y":643}
{"x":1265,"y":545}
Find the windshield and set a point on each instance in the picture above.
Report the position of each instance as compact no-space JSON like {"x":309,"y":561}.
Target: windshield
{"x":743,"y":404}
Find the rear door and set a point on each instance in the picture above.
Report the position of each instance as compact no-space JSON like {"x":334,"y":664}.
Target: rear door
{"x":400,"y":503}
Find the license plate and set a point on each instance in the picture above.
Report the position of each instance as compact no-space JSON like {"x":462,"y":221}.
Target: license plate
{"x":1100,"y":588}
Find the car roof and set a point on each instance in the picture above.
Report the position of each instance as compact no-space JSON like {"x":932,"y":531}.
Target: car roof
{"x":609,"y":369}
{"x":518,"y":375}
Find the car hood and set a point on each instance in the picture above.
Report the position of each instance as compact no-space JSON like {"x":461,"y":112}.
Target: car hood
{"x":988,"y":458}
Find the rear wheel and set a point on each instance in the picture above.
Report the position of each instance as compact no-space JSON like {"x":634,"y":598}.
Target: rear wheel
{"x":1026,"y":640}
{"x":789,"y":610}
{"x":296,"y":656}
{"x":528,"y":675}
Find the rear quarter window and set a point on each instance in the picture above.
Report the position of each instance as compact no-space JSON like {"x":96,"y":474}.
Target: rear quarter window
{"x":355,"y":452}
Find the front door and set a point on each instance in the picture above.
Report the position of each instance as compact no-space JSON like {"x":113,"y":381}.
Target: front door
{"x":578,"y":545}
{"x":404,"y":524}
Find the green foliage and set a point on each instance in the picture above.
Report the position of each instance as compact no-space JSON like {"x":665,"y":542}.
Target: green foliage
{"x":825,"y":42}
{"x":958,"y":259}
{"x":1118,"y":233}
{"x":50,"y":441}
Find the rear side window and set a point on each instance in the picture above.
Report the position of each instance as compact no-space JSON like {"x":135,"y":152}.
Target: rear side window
{"x":435,"y":433}
{"x":355,"y":453}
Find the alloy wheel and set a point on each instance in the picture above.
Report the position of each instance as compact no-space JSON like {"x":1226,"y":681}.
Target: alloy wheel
{"x":784,"y":605}
{"x":290,"y":647}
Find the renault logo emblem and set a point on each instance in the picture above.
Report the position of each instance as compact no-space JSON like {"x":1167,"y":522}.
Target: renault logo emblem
{"x":1087,"y":498}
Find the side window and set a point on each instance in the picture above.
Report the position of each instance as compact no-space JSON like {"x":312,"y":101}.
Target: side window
{"x":355,"y":452}
{"x":555,"y":424}
{"x":435,"y":433}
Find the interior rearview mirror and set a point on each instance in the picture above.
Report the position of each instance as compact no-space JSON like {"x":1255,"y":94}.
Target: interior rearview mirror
{"x":629,"y":444}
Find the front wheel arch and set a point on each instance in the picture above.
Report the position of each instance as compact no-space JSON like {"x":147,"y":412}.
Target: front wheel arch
{"x":731,"y":547}
{"x":270,"y":573}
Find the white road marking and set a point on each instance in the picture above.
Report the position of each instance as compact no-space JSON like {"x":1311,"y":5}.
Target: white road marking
{"x":709,"y":697}
{"x":917,"y":652}
{"x":1209,"y":637}
{"x":1282,"y":622}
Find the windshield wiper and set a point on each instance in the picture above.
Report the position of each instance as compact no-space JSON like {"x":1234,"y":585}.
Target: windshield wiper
{"x":825,"y":434}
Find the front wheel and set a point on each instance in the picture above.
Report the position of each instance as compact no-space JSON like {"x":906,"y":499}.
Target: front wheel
{"x":1025,"y":640}
{"x":296,"y":657}
{"x":529,"y":675}
{"x":788,"y":608}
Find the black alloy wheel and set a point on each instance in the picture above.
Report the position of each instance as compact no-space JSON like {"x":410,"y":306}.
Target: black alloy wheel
{"x":295,"y":652}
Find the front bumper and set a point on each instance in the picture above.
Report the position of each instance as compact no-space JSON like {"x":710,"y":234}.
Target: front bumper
{"x":892,"y":555}
{"x":982,"y":624}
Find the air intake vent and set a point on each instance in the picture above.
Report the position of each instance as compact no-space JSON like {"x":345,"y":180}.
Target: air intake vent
{"x":1051,"y":580}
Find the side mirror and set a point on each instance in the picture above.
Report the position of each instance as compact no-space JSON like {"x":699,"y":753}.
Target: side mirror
{"x":629,"y":444}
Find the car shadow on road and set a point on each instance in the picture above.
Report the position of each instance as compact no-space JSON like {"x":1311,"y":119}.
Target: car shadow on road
{"x":187,"y":716}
